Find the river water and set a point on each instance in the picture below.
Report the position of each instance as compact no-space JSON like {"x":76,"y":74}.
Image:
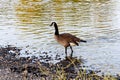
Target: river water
{"x":26,"y":24}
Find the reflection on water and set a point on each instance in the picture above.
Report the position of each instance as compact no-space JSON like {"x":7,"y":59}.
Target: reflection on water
{"x":26,"y":22}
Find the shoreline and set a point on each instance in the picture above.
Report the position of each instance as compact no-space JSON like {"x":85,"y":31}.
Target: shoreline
{"x":14,"y":67}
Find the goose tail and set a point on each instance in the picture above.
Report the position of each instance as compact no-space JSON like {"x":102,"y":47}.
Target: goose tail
{"x":83,"y":41}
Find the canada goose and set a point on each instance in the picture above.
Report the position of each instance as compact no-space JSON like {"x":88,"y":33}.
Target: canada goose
{"x":66,"y":39}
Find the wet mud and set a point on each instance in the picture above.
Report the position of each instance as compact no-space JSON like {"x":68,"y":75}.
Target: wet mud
{"x":13,"y":67}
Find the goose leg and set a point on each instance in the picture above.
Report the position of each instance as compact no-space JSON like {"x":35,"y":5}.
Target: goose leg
{"x":66,"y":51}
{"x":71,"y":51}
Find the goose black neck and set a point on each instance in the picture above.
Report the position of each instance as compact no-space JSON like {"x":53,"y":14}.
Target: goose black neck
{"x":56,"y":29}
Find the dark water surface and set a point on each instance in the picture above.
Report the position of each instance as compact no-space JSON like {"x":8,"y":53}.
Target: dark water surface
{"x":24,"y":23}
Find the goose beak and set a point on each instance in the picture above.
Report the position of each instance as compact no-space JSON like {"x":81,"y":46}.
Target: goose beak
{"x":52,"y":23}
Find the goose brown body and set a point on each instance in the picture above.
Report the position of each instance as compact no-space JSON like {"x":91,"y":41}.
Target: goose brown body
{"x":66,"y":39}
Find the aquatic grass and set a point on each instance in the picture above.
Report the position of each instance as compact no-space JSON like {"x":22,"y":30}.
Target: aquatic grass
{"x":43,"y":69}
{"x":109,"y":77}
{"x":67,"y":69}
{"x":62,"y":71}
{"x":61,"y":75}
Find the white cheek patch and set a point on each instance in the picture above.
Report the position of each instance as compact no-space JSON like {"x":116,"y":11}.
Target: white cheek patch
{"x":72,"y":44}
